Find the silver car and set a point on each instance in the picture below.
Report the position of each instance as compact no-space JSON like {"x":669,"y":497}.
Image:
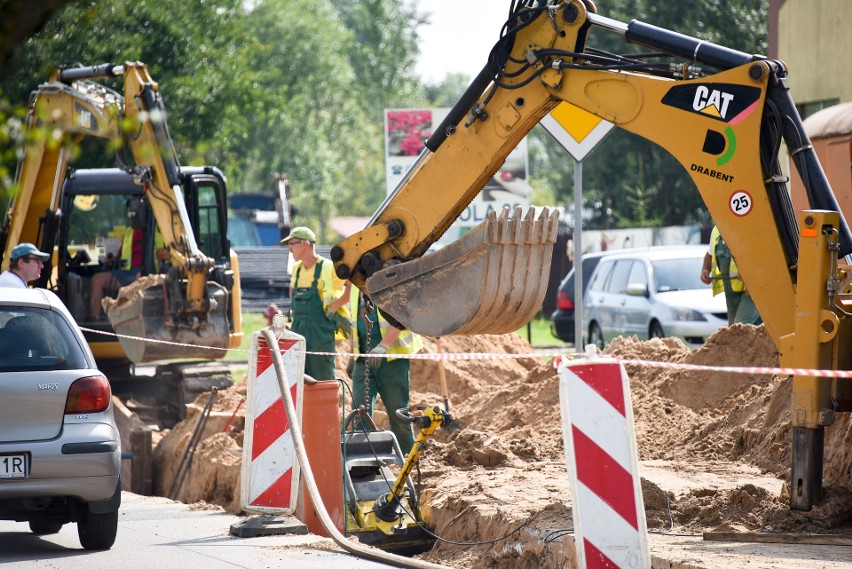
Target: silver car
{"x":652,"y":293}
{"x":60,"y":453}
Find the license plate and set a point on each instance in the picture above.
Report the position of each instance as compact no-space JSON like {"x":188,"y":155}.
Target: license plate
{"x":13,"y":466}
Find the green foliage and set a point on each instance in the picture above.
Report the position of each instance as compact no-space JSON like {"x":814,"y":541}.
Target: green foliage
{"x":445,"y":93}
{"x":293,"y":86}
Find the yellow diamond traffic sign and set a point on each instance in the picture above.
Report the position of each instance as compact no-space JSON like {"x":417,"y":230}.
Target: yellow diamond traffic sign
{"x":576,"y":130}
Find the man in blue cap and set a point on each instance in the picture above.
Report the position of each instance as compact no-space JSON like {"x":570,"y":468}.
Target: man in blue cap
{"x":25,"y":265}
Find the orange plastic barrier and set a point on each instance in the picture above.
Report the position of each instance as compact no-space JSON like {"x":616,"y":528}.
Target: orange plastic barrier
{"x":321,"y":432}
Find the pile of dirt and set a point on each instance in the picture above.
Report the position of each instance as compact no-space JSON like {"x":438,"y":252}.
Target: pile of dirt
{"x":714,"y":448}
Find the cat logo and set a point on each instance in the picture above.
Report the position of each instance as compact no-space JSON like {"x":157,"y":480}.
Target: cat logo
{"x":711,"y":102}
{"x":725,"y":102}
{"x":85,"y":118}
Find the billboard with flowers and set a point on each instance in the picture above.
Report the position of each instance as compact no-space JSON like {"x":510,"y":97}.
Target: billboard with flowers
{"x":406,"y":131}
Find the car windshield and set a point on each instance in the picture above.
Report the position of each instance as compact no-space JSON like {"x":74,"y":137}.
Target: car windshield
{"x":37,"y":339}
{"x":678,"y":274}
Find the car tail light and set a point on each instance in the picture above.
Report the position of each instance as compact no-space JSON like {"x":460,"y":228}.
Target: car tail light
{"x":88,"y":395}
{"x":562,"y":300}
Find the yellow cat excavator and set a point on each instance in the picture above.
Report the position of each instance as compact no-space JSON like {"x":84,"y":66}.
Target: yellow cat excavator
{"x":188,"y":300}
{"x":720,"y":112}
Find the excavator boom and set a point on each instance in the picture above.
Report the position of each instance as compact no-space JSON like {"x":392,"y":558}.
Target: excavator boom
{"x":544,"y":65}
{"x":722,"y":113}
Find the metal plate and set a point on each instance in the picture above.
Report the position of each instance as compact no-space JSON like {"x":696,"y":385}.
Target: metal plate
{"x":13,"y":466}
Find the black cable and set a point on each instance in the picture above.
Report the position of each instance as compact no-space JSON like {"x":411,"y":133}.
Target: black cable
{"x":556,"y":534}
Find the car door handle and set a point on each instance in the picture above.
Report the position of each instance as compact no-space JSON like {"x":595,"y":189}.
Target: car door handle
{"x":623,"y":301}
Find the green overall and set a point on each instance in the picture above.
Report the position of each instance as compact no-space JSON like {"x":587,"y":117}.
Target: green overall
{"x":309,"y":320}
{"x":390,"y":381}
{"x":741,"y":307}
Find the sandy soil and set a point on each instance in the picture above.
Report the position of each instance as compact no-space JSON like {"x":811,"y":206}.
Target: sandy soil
{"x":714,"y":453}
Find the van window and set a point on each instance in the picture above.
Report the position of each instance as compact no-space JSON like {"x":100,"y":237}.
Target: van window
{"x":679,"y":274}
{"x":618,"y":280}
{"x":638,"y":275}
{"x":599,"y":278}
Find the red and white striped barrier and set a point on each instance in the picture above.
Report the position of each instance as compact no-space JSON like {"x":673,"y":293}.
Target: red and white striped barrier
{"x":600,"y":449}
{"x":270,"y":471}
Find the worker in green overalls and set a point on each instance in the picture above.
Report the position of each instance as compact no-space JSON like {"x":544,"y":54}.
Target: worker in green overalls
{"x":389,"y":373}
{"x":720,"y":269}
{"x":317,"y":296}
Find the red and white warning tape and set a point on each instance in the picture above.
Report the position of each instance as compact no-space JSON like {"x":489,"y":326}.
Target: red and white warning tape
{"x":555,"y":354}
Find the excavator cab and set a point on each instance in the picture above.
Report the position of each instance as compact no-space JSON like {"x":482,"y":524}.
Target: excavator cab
{"x":100,"y":205}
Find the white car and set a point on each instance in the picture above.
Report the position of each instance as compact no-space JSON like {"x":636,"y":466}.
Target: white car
{"x":652,"y":293}
{"x":60,"y":451}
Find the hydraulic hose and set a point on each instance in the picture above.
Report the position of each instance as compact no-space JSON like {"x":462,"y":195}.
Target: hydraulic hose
{"x":299,"y":444}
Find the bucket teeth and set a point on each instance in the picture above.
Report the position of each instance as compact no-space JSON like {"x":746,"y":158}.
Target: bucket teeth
{"x":491,"y":281}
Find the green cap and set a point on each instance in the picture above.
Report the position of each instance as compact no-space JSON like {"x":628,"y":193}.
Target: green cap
{"x":303,"y":233}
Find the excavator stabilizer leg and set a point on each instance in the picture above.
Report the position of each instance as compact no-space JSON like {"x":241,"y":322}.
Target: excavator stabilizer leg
{"x":806,"y":480}
{"x":491,"y":281}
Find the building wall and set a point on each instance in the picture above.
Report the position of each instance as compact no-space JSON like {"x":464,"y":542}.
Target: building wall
{"x":814,"y":41}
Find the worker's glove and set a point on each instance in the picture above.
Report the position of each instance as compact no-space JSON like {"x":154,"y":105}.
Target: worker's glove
{"x":269,"y":312}
{"x":350,"y":367}
{"x":342,"y":325}
{"x":376,"y":362}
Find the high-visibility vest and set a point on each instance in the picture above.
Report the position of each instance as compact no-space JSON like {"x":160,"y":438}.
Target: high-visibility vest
{"x":718,"y":278}
{"x":127,"y":248}
{"x":406,"y":343}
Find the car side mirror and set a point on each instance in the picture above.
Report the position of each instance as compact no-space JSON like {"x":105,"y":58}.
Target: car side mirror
{"x":637,"y":289}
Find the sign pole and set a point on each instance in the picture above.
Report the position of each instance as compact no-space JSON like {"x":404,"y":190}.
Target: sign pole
{"x":578,"y":256}
{"x":578,"y":132}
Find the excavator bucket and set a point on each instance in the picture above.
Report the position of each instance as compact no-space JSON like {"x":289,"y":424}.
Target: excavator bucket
{"x":140,"y":311}
{"x":491,"y":281}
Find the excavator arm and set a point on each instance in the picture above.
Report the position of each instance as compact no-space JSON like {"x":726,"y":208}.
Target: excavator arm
{"x":721,"y":113}
{"x":719,"y":126}
{"x":143,"y":119}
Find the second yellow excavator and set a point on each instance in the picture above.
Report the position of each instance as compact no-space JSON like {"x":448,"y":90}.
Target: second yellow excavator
{"x":187,"y":303}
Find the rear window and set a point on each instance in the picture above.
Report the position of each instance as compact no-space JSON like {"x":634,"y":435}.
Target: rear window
{"x":37,"y":339}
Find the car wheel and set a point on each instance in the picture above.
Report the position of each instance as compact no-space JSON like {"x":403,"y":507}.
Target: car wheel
{"x":42,"y":527}
{"x":596,"y":336}
{"x":97,"y":531}
{"x":656,"y":331}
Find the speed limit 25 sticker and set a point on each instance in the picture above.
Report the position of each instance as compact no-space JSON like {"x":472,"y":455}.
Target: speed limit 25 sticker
{"x":740,"y":203}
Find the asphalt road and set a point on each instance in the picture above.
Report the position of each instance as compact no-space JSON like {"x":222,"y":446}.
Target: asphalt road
{"x":157,"y":533}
